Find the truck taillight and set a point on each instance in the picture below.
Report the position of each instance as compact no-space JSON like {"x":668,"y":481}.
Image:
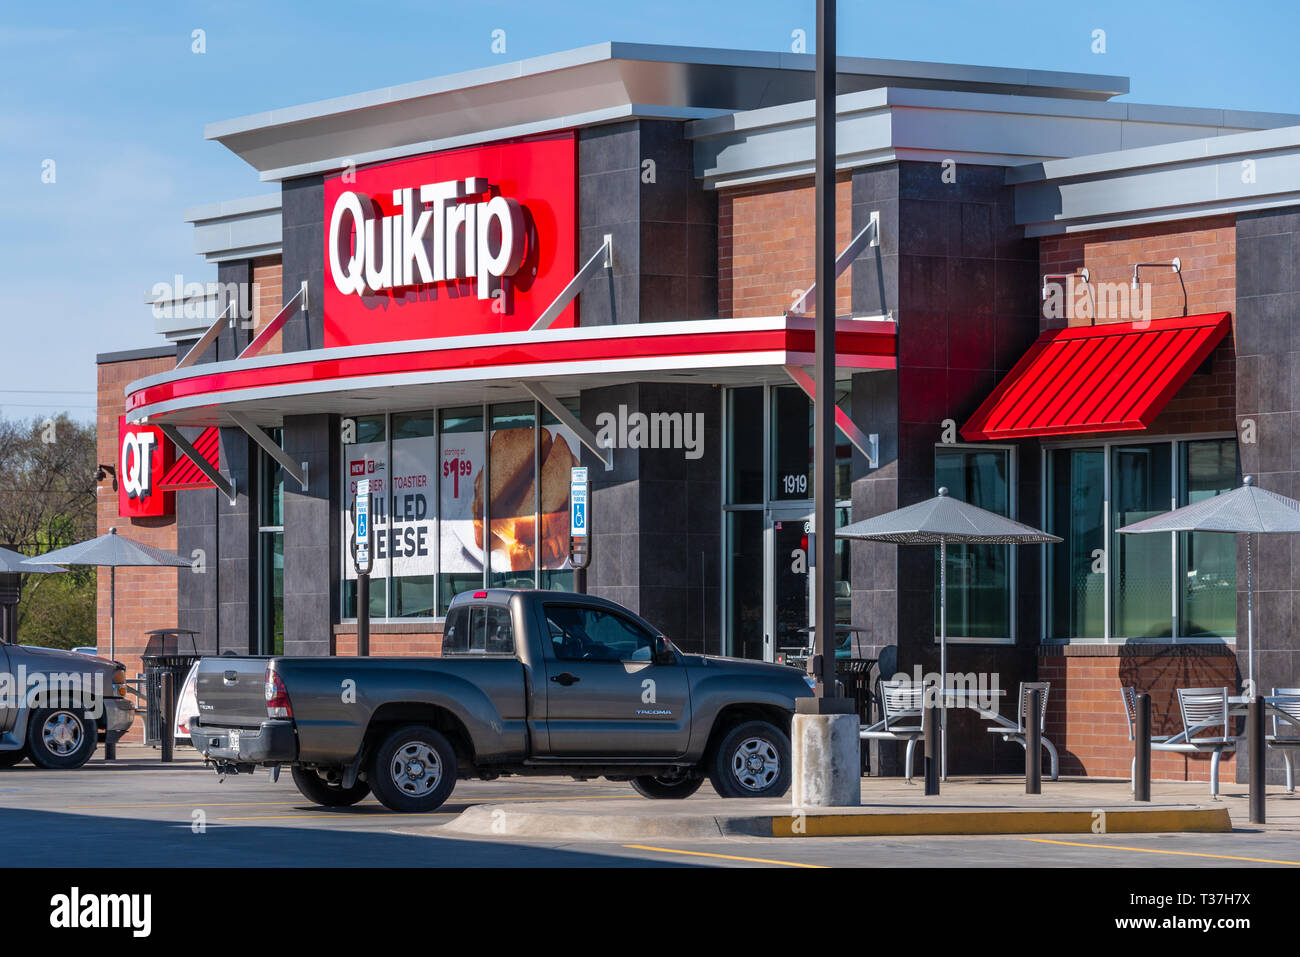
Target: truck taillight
{"x":277,"y":698}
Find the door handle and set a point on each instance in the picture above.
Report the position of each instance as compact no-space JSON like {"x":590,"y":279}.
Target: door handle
{"x":565,"y":679}
{"x":230,"y":677}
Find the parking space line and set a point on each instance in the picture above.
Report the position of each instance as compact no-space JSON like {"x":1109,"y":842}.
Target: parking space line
{"x":1154,"y":850}
{"x":308,"y":815}
{"x":725,"y":857}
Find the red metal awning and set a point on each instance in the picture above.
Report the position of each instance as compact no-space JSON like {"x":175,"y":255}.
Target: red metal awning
{"x":184,"y":475}
{"x":1109,"y":378}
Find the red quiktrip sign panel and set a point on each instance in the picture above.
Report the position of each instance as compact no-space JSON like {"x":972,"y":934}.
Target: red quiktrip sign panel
{"x":143,"y":457}
{"x":468,"y":241}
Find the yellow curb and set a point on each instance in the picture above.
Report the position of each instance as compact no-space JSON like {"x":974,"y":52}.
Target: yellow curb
{"x":1099,"y":821}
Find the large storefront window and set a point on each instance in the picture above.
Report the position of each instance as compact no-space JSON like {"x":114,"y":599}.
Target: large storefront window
{"x":1102,"y":585}
{"x":979,"y":576}
{"x":448,"y":516}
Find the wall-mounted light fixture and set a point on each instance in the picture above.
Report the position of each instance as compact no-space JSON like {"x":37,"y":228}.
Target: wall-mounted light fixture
{"x":104,"y":471}
{"x":1069,"y":277}
{"x":1176,"y":265}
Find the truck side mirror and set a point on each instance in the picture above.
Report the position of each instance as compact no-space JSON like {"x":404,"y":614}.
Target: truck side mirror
{"x":664,"y":653}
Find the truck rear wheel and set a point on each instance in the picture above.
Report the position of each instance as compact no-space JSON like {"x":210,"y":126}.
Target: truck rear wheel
{"x":61,"y":739}
{"x":414,"y":769}
{"x":752,"y":761}
{"x":660,"y":786}
{"x":322,"y":791}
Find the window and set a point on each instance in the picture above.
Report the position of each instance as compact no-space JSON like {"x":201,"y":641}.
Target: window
{"x":1104,"y":586}
{"x":594,"y":634}
{"x":365,"y":456}
{"x":411,"y":542}
{"x":479,"y":630}
{"x":978,"y":576}
{"x":792,"y":445}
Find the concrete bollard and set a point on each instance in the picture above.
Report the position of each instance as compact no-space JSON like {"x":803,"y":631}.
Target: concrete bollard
{"x":827,"y":770}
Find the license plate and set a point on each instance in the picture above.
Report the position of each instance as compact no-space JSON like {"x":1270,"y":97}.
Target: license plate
{"x":234,"y":741}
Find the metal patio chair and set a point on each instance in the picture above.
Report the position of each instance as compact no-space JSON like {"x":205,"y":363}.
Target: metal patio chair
{"x":1286,"y":735}
{"x":1158,"y":742}
{"x":1203,"y":710}
{"x":1016,"y":732}
{"x":901,"y":702}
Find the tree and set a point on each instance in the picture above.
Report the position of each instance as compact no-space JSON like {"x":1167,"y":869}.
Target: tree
{"x":47,"y":501}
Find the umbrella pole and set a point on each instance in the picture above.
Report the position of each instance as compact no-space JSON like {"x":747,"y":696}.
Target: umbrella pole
{"x":112,"y":613}
{"x":1250,"y":616}
{"x":943,"y":659}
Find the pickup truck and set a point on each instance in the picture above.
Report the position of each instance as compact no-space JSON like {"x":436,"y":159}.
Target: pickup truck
{"x":529,"y":682}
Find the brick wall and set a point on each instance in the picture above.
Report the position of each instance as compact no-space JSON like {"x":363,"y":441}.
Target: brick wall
{"x":146,"y":597}
{"x":268,"y":298}
{"x":766,"y":246}
{"x":1085,"y":714}
{"x":1207,"y":249}
{"x":391,"y":640}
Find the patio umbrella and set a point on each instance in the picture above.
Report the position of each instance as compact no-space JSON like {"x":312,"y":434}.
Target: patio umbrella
{"x":944,"y":520}
{"x":1248,"y":510}
{"x":11,"y":563}
{"x":110,"y":551}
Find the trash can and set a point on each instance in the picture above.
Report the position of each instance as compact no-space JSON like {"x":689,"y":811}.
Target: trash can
{"x":169,"y":650}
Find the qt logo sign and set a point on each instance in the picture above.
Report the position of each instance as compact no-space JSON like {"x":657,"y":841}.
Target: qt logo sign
{"x":144,"y":455}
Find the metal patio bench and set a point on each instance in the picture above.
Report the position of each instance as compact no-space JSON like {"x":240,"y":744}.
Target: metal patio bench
{"x":901,"y":703}
{"x":1286,"y":733}
{"x":1158,"y":742}
{"x":1016,"y":731}
{"x":1203,"y":710}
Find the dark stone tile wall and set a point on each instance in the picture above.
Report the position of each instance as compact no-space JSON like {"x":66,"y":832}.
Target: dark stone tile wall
{"x":665,"y":232}
{"x":1268,"y":393}
{"x":656,"y":519}
{"x":236,"y":533}
{"x":311,"y":536}
{"x":303,"y":231}
{"x":961,"y":281}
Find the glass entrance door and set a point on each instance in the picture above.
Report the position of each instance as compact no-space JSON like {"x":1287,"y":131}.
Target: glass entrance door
{"x":788,"y":585}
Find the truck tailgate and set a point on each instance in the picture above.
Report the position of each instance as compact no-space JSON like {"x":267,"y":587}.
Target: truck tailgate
{"x":231,"y":692}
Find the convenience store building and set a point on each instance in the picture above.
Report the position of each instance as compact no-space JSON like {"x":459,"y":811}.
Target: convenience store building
{"x":467,"y":285}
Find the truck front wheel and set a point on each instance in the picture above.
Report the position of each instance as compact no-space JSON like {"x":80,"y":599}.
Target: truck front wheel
{"x":322,"y":791}
{"x":752,"y":761}
{"x":414,"y":769}
{"x":664,"y":786}
{"x":60,"y":739}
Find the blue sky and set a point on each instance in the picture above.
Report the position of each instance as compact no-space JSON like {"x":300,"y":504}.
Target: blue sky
{"x":113,"y":94}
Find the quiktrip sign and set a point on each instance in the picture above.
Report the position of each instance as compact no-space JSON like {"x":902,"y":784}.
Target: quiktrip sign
{"x":466,"y":241}
{"x":144,"y":455}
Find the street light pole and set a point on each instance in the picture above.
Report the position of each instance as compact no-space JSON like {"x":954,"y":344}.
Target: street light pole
{"x":824,"y":405}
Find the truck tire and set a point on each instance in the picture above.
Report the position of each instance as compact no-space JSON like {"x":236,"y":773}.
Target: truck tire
{"x":682,"y":786}
{"x":9,"y":758}
{"x":414,"y":769}
{"x":752,"y":761}
{"x":321,"y":791}
{"x":61,"y":739}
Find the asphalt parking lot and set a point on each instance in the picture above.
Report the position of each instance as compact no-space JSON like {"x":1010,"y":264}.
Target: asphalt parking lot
{"x":139,"y":811}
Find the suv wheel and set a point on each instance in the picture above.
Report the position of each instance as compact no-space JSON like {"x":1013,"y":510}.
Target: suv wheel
{"x":61,"y":738}
{"x":752,"y":761}
{"x":414,"y":769}
{"x":321,"y":790}
{"x":664,"y":786}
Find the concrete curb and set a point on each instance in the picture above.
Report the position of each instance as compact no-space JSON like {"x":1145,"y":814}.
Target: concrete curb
{"x":580,"y":821}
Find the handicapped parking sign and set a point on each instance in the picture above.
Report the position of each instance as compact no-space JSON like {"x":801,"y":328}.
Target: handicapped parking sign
{"x":578,"y":502}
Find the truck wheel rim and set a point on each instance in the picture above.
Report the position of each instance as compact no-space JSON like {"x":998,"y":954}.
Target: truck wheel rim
{"x":416,"y":769}
{"x":756,"y":764}
{"x":61,"y":733}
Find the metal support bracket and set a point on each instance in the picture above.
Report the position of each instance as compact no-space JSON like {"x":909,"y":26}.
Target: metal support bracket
{"x":603,"y":259}
{"x":868,"y":445}
{"x":557,"y":408}
{"x":291,"y":308}
{"x":209,"y":336}
{"x":867,"y":237}
{"x":298,"y":470}
{"x":1069,"y":280}
{"x":226,"y":486}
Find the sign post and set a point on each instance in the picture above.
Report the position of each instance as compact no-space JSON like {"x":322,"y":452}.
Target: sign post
{"x":579,"y":526}
{"x":361,"y":558}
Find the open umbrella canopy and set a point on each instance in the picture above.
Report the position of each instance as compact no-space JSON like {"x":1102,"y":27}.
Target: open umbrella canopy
{"x":109,"y":551}
{"x":1247,"y":509}
{"x":944,"y":520}
{"x":16,"y":563}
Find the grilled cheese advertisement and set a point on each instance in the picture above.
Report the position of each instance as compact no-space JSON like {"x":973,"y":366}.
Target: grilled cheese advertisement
{"x":513,"y":492}
{"x":404,"y":533}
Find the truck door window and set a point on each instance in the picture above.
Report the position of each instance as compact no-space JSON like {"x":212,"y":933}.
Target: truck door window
{"x":594,"y":634}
